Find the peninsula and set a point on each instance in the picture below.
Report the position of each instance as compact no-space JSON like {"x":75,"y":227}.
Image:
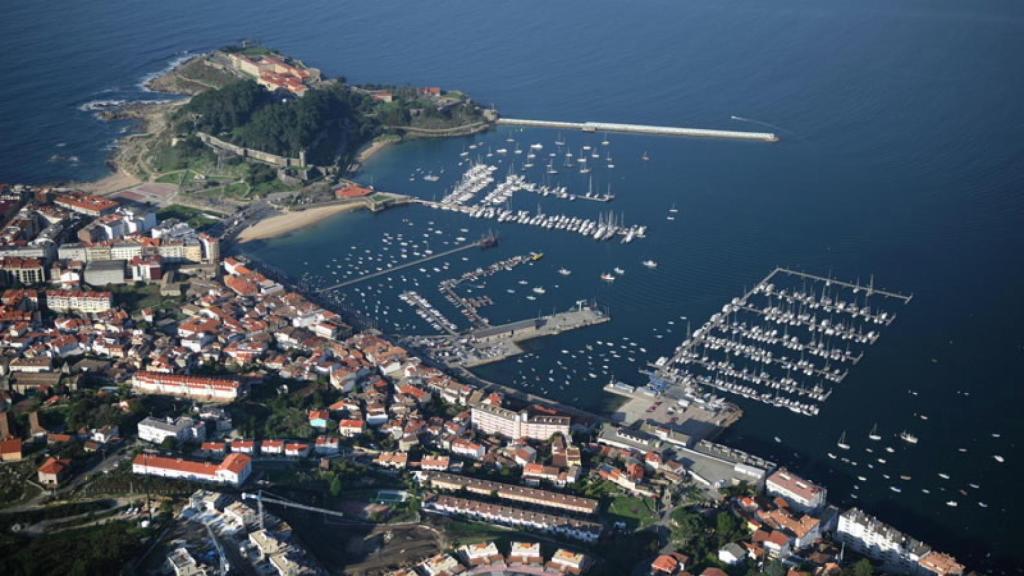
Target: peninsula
{"x":256,"y":128}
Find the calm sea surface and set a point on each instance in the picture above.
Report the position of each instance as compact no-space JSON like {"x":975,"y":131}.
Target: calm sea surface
{"x":901,"y":157}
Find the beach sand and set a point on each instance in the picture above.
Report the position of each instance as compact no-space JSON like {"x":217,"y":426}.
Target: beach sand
{"x":109,"y":184}
{"x":292,"y":221}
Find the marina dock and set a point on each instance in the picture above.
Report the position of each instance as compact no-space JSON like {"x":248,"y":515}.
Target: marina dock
{"x":496,"y":343}
{"x":642,"y":129}
{"x":784,"y":342}
{"x":485,"y":242}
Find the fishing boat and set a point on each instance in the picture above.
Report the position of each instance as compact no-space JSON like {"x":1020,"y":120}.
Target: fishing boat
{"x":908,"y":437}
{"x":607,"y":277}
{"x":842,"y":441}
{"x":873,"y":435}
{"x":650,"y":264}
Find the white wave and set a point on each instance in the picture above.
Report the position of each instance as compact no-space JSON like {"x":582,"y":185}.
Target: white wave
{"x":174,"y":63}
{"x":97,"y":105}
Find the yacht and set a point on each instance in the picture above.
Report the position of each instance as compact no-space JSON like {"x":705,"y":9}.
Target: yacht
{"x":538,"y":290}
{"x":645,"y":157}
{"x":842,"y":441}
{"x":998,"y":458}
{"x":908,"y":437}
{"x":650,"y":263}
{"x":873,"y":435}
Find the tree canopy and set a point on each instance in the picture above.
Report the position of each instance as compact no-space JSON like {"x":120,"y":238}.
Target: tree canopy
{"x":327,"y":123}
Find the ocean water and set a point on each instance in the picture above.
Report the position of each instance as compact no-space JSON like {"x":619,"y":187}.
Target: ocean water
{"x":900,"y":158}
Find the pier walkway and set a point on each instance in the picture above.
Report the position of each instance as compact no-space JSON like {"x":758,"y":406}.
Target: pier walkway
{"x":642,"y":129}
{"x":481,"y":243}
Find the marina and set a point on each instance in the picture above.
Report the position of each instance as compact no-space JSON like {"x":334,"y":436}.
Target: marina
{"x":495,"y":205}
{"x":469,"y":307}
{"x":785,"y":342}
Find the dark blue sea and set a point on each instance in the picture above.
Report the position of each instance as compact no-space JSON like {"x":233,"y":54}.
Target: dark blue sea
{"x":901,"y":157}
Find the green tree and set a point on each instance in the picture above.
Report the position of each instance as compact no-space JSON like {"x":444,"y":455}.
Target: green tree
{"x":727,"y":527}
{"x":861,"y":567}
{"x":335,"y":486}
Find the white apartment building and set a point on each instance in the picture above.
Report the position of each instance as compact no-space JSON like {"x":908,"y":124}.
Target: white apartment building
{"x":511,"y":424}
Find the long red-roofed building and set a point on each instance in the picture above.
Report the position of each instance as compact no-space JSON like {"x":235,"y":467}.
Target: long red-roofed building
{"x":234,"y":470}
{"x":198,"y":387}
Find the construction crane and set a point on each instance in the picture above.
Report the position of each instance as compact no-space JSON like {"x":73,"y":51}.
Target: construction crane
{"x":260,"y":498}
{"x":224,"y":566}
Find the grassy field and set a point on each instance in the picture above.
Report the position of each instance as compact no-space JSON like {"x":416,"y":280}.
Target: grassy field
{"x":636,"y":512}
{"x":461,"y":532}
{"x":134,"y":297}
{"x":195,"y":217}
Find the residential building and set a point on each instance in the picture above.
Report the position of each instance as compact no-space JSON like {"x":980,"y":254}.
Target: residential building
{"x":53,"y":471}
{"x":89,"y":205}
{"x":514,"y":492}
{"x":801,"y":494}
{"x":515,"y":425}
{"x":583,"y":530}
{"x":10,"y":450}
{"x":23,"y":271}
{"x":79,"y":301}
{"x":182,"y":429}
{"x":197,"y":387}
{"x":568,"y":562}
{"x":872,"y":537}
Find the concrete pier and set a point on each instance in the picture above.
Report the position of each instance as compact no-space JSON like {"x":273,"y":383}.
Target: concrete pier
{"x":642,"y":129}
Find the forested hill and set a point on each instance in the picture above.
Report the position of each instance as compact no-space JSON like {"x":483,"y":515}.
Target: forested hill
{"x":330,"y":122}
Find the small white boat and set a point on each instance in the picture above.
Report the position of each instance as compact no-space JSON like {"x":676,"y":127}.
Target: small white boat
{"x":650,"y":264}
{"x":564,"y":271}
{"x":873,"y":435}
{"x":607,"y":277}
{"x":998,"y":458}
{"x":539,"y":290}
{"x":908,"y":437}
{"x":952,"y":503}
{"x":619,"y":271}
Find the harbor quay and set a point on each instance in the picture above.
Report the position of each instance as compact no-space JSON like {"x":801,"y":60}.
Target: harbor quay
{"x":642,"y":129}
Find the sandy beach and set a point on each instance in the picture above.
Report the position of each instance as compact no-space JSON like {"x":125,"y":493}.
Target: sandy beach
{"x":292,"y":221}
{"x":111,"y":183}
{"x":374,"y":147}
